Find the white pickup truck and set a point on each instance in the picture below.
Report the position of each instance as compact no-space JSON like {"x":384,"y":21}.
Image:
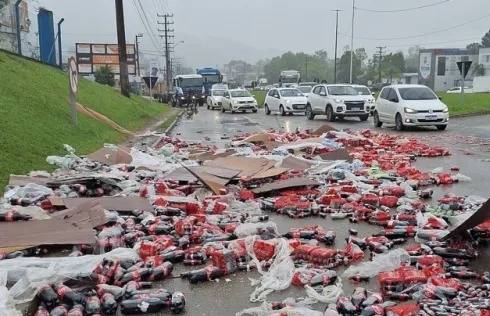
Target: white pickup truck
{"x":336,"y":101}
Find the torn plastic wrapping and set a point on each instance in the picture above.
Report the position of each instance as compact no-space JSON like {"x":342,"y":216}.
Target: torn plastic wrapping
{"x":32,"y":192}
{"x":265,"y":309}
{"x":381,"y":262}
{"x":7,"y":303}
{"x":30,"y":273}
{"x":280,"y":272}
{"x":249,"y":229}
{"x":328,"y":294}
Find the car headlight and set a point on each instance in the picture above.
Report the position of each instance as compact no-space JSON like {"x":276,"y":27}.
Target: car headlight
{"x":288,"y":101}
{"x":445,"y":110}
{"x":193,"y":96}
{"x":409,"y":110}
{"x":339,"y":101}
{"x":182,"y":98}
{"x":371,"y":101}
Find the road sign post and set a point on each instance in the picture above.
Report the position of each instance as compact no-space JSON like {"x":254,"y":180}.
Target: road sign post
{"x":73,"y":88}
{"x":464,"y":67}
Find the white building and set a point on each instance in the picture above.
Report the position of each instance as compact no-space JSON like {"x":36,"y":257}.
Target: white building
{"x":484,"y":60}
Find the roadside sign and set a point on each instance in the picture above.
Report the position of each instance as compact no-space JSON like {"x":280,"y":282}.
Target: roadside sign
{"x":464,"y":67}
{"x":73,"y":88}
{"x":73,"y":69}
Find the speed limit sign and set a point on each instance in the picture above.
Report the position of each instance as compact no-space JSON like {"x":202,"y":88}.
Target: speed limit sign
{"x":73,"y":88}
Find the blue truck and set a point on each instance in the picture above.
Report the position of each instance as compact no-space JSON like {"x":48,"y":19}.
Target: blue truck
{"x":210,"y":76}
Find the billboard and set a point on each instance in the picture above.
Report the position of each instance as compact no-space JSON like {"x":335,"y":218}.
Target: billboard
{"x":91,"y":57}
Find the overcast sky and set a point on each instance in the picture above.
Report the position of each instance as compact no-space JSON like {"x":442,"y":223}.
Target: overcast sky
{"x":215,"y":31}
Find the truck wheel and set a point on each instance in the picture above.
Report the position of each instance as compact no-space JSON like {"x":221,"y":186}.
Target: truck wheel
{"x":222,"y":109}
{"x":329,"y":114}
{"x":441,"y":127}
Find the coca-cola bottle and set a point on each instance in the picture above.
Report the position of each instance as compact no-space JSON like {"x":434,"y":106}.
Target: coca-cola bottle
{"x":173,"y":256}
{"x":177,"y":302}
{"x":77,"y":310}
{"x":132,"y":287}
{"x":161,"y":272}
{"x":92,"y":305}
{"x":41,"y":311}
{"x":12,"y":216}
{"x":67,"y":295}
{"x":142,"y":306}
{"x":59,"y":310}
{"x":108,"y":303}
{"x":358,"y":296}
{"x":48,"y":296}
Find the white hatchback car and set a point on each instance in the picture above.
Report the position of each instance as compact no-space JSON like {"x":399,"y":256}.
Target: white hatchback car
{"x":410,"y":105}
{"x":215,"y":100}
{"x":285,"y":101}
{"x":238,"y":100}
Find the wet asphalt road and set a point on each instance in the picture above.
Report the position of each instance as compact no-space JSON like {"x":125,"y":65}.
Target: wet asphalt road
{"x":466,"y":137}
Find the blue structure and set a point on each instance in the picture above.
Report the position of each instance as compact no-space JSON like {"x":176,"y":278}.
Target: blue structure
{"x":46,"y":36}
{"x":211,"y":76}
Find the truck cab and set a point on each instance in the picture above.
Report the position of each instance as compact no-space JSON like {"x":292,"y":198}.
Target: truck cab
{"x":188,"y":89}
{"x":289,"y":79}
{"x":210,"y":77}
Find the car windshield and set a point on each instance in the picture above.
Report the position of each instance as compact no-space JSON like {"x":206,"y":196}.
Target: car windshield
{"x":342,"y":90}
{"x":417,"y":93}
{"x":291,"y":93}
{"x":362,"y":90}
{"x":289,"y":80}
{"x":211,"y":78}
{"x":305,"y":89}
{"x":218,"y":93}
{"x":240,"y":94}
{"x":190,"y":82}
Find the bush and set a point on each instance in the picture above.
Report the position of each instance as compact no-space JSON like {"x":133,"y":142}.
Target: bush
{"x":104,"y":75}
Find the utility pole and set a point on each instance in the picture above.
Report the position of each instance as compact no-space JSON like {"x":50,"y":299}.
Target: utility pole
{"x":336,"y":42}
{"x":138,"y":53}
{"x":168,"y":37}
{"x":380,"y":59}
{"x":306,"y":66}
{"x":352,"y":40}
{"x":121,"y":43}
{"x":60,"y":51}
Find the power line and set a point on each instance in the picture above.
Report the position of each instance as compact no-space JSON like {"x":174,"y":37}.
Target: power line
{"x":420,"y":35}
{"x":404,"y":10}
{"x":147,"y":28}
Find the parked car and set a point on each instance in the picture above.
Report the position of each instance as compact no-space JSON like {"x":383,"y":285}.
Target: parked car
{"x":215,"y":99}
{"x":238,"y":100}
{"x":367,"y":95}
{"x":458,"y":90}
{"x":285,"y":101}
{"x":410,"y":105}
{"x":336,"y":101}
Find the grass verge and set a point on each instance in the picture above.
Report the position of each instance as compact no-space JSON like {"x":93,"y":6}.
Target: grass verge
{"x":474,"y":103}
{"x":35,"y":116}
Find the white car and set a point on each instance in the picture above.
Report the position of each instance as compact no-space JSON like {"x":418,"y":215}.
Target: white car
{"x":336,"y":101}
{"x":410,"y":105}
{"x":285,"y":101}
{"x":238,"y":100}
{"x":458,"y":90}
{"x":215,"y":100}
{"x":366,"y":94}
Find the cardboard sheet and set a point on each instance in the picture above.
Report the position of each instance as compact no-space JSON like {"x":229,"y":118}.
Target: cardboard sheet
{"x":338,"y":154}
{"x":272,"y":172}
{"x":203,"y":156}
{"x":248,"y":167}
{"x":476,"y":219}
{"x":24,"y":180}
{"x":292,"y":162}
{"x":110,"y":157}
{"x":323,"y":129}
{"x":68,"y":227}
{"x":113,"y":203}
{"x":285,"y":184}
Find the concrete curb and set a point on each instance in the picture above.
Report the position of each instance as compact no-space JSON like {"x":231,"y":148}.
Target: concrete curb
{"x":469,"y":114}
{"x":171,"y":127}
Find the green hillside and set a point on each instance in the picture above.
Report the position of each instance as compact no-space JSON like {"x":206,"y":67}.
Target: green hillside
{"x":35,"y":117}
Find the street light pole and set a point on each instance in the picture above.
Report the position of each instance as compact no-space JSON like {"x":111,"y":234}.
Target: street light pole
{"x":138,"y":54}
{"x":17,"y":26}
{"x":336,"y":42}
{"x":60,"y":51}
{"x":352,"y":40}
